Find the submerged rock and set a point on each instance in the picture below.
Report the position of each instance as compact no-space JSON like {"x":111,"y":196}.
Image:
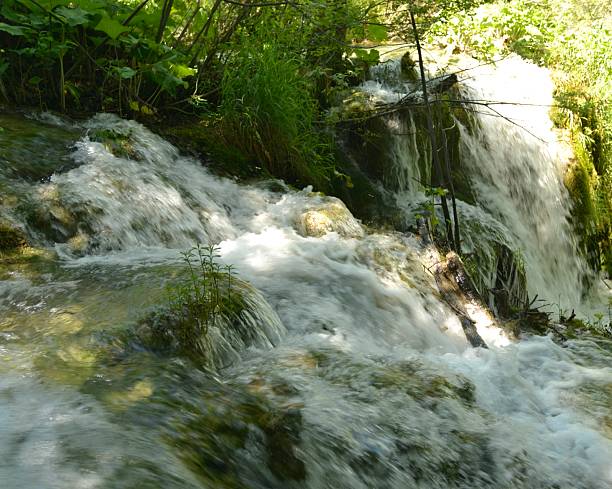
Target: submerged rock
{"x":329,"y":216}
{"x":117,"y":140}
{"x":241,"y":319}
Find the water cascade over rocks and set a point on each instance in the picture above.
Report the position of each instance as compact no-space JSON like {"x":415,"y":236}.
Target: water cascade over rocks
{"x":507,"y":170}
{"x":360,"y":374}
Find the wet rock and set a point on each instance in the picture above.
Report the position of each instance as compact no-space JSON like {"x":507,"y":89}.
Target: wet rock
{"x":11,"y":237}
{"x":282,"y":429}
{"x":329,"y":216}
{"x":33,"y":150}
{"x":116,"y":142}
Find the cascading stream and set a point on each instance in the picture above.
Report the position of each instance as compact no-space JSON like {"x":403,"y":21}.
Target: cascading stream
{"x":513,"y":164}
{"x":517,"y":173}
{"x":372,"y":385}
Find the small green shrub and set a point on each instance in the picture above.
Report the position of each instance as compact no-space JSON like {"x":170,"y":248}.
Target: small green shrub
{"x":197,"y":301}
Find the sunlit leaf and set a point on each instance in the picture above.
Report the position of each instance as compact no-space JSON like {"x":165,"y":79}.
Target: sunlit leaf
{"x":182,"y":71}
{"x":369,"y":56}
{"x":111,"y":27}
{"x":142,"y":108}
{"x":377,"y":33}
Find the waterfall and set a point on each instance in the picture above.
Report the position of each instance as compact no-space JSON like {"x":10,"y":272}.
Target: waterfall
{"x":365,"y":379}
{"x":512,"y":162}
{"x":516,"y":170}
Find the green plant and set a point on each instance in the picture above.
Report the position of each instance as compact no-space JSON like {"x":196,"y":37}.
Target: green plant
{"x":427,"y":210}
{"x":199,"y":299}
{"x":268,"y":112}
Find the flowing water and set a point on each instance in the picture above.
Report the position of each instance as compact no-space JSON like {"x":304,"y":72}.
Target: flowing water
{"x":372,"y":383}
{"x":516,"y":168}
{"x":515,"y":165}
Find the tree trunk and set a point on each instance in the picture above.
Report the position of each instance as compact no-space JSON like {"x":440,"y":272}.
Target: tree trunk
{"x":432,"y":136}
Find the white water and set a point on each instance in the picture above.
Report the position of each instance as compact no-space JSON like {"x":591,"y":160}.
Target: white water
{"x":517,"y":172}
{"x":372,"y":358}
{"x":515,"y":166}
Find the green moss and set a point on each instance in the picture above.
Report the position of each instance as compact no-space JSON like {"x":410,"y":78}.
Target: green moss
{"x":11,"y":238}
{"x":25,"y":255}
{"x":591,"y":206}
{"x":117,"y":143}
{"x":203,"y":138}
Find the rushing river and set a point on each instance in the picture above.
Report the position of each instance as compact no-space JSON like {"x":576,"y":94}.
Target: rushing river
{"x":372,"y":384}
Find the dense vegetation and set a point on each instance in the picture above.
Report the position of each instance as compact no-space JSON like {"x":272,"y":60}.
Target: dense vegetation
{"x":259,"y":76}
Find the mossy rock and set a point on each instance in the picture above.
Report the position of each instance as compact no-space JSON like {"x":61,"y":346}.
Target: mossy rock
{"x":202,"y":138}
{"x":212,"y":439}
{"x":117,"y":143}
{"x":330,"y":215}
{"x":11,"y":237}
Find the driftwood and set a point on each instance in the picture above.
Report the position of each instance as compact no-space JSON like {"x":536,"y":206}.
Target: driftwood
{"x":457,"y":290}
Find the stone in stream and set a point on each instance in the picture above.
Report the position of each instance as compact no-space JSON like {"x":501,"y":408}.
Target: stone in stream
{"x":330,"y":215}
{"x":11,"y":237}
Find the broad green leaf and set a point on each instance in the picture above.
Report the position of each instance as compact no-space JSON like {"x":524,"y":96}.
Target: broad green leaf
{"x":370,"y":56}
{"x":74,"y":16}
{"x":182,"y":71}
{"x":377,"y":33}
{"x":125,"y":72}
{"x":73,"y":90}
{"x":14,"y":30}
{"x":111,"y":27}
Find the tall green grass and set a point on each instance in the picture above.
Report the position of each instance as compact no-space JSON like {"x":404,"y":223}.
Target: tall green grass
{"x":268,"y":113}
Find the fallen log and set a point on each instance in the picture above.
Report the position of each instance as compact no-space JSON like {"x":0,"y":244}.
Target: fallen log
{"x":457,"y":290}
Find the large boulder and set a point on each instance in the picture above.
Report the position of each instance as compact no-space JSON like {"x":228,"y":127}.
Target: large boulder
{"x":330,"y":215}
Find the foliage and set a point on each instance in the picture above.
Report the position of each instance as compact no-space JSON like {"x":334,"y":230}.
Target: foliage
{"x":200,"y":299}
{"x":268,"y":113}
{"x":263,"y":70}
{"x":427,"y":210}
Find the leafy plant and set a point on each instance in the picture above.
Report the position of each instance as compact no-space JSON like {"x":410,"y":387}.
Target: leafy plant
{"x":201,"y":298}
